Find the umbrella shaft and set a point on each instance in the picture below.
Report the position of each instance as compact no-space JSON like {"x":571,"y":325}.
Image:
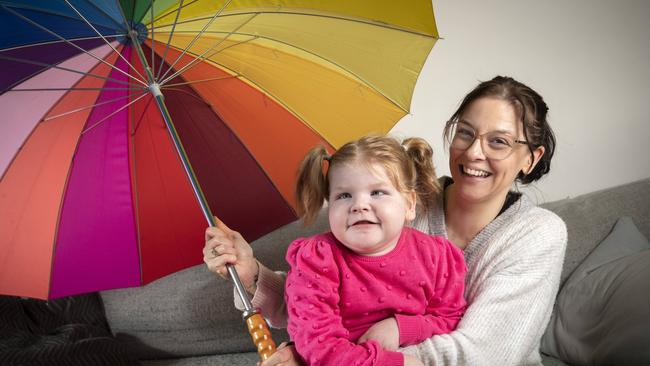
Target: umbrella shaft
{"x":154,"y":88}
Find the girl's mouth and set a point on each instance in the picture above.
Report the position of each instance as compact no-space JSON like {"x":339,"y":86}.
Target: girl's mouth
{"x":363,"y":222}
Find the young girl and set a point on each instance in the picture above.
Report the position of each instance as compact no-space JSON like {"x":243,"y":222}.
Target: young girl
{"x":370,"y":268}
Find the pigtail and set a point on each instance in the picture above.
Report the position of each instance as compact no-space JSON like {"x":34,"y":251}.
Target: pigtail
{"x":420,"y":153}
{"x":311,"y":188}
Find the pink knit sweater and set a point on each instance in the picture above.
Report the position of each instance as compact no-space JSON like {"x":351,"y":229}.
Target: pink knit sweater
{"x":334,"y":295}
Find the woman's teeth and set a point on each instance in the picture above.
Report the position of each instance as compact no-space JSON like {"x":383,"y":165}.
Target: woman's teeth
{"x":474,"y":172}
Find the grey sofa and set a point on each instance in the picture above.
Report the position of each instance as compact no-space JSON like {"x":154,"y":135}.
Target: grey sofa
{"x":188,"y":318}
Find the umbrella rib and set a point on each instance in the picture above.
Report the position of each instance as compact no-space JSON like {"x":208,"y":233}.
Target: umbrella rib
{"x":269,"y":95}
{"x":208,"y":57}
{"x":22,"y":60}
{"x":66,"y":89}
{"x":162,"y":60}
{"x":365,"y":82}
{"x":133,"y":12}
{"x":170,"y":12}
{"x":168,"y":86}
{"x":113,"y":113}
{"x":136,"y":125}
{"x":53,"y":42}
{"x":153,"y":42}
{"x":197,"y":36}
{"x":41,"y":10}
{"x":70,"y":43}
{"x":200,"y":57}
{"x":361,"y":20}
{"x":88,"y":107}
{"x":190,"y":94}
{"x":115,"y":21}
{"x":105,"y":40}
{"x":143,"y":60}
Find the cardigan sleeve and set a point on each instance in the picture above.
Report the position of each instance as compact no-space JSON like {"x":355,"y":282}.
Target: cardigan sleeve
{"x":269,"y":297}
{"x":312,"y":297}
{"x":508,"y":307}
{"x":446,"y":305}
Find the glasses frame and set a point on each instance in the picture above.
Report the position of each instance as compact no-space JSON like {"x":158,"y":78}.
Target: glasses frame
{"x":453,"y":128}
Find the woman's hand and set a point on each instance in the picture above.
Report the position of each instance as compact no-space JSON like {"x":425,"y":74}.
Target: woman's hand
{"x":285,"y":355}
{"x":386,"y":332}
{"x":225,"y":246}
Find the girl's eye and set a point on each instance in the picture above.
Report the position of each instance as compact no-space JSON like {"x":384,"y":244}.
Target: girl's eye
{"x":377,"y":193}
{"x":343,"y":196}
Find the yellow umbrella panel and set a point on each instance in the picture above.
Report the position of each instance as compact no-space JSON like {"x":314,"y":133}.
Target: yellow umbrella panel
{"x":345,"y":68}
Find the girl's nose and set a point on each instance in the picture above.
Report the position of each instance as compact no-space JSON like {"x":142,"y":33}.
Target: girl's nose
{"x":360,"y":205}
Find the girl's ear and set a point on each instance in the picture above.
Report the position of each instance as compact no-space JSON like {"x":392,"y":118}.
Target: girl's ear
{"x":537,"y":155}
{"x":411,"y":202}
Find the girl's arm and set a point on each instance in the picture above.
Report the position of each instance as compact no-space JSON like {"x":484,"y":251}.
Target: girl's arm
{"x":315,"y":324}
{"x":509,"y":308}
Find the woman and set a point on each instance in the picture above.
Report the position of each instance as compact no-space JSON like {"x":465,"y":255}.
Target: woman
{"x":514,"y":251}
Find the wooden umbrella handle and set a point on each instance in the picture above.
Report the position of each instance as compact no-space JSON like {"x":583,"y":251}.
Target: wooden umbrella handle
{"x":261,"y":335}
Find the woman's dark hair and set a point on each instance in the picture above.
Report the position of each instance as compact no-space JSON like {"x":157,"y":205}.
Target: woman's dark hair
{"x":532,"y":112}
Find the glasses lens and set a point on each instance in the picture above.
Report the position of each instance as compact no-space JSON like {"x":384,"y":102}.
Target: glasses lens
{"x":463,"y":136}
{"x":495,"y":145}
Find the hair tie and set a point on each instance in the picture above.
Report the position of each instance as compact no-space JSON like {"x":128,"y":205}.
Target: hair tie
{"x":327,"y":158}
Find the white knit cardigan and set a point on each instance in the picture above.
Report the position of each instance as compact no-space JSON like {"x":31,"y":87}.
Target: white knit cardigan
{"x":514,"y":267}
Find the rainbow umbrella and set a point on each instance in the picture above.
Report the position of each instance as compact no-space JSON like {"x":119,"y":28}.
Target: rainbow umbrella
{"x":127,"y":124}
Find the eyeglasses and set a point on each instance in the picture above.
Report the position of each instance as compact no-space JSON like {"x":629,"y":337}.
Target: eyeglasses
{"x":495,"y":145}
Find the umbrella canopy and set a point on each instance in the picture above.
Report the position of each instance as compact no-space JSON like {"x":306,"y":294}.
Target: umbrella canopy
{"x":125,"y":124}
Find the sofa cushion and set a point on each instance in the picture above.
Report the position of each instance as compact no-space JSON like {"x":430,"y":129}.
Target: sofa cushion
{"x":231,"y":359}
{"x":603,"y":311}
{"x":590,"y":217}
{"x":192,"y":313}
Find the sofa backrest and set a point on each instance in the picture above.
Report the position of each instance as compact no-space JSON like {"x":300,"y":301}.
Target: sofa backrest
{"x":191,"y":313}
{"x":590,"y":217}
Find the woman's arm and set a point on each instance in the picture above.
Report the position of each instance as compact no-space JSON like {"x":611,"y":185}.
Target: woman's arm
{"x":510,"y":300}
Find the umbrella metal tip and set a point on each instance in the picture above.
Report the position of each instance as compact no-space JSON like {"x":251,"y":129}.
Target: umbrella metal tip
{"x":137,"y":32}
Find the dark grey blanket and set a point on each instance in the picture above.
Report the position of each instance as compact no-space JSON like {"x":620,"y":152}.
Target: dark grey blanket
{"x":67,"y":331}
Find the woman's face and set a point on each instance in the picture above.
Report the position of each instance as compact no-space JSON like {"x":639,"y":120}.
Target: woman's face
{"x":478,"y":178}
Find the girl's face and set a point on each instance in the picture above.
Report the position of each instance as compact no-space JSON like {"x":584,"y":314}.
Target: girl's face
{"x":478,"y":178}
{"x":366,"y":211}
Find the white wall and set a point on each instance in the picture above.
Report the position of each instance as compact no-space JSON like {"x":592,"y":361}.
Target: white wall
{"x":589,"y":59}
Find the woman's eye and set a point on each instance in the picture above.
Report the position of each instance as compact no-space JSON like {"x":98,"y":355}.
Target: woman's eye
{"x":499,"y":142}
{"x":465,"y":133}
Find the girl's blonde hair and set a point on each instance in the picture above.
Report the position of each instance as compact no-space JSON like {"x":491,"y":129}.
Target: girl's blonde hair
{"x":409,"y":166}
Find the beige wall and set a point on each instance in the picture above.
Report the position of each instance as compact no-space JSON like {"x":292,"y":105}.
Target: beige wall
{"x":590,"y":59}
